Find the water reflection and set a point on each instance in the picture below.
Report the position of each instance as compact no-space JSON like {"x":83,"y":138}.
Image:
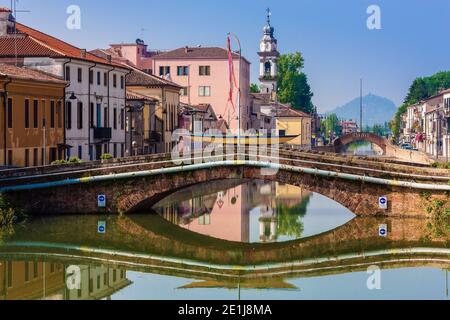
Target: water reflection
{"x":252,"y":211}
{"x":35,"y":280}
{"x":364,"y":148}
{"x":144,"y":256}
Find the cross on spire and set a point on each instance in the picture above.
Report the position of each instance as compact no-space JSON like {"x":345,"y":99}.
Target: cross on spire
{"x":269,"y":13}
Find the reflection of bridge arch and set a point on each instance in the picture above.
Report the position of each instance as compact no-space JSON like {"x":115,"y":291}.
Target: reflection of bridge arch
{"x":137,"y":243}
{"x":341,"y":143}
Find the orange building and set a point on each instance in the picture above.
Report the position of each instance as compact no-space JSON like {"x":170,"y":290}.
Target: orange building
{"x":31,"y":117}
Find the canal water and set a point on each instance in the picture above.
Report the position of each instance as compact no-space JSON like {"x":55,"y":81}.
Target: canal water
{"x":363,"y":148}
{"x":233,"y":239}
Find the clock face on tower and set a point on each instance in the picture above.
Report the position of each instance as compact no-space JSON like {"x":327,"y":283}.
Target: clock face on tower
{"x":267,"y":47}
{"x":262,"y":47}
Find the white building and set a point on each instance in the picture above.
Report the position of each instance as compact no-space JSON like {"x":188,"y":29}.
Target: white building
{"x":95,"y":98}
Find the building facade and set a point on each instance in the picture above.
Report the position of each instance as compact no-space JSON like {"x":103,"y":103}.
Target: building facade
{"x":165,"y":112}
{"x":95,"y":112}
{"x":31,"y":117}
{"x":203,"y":75}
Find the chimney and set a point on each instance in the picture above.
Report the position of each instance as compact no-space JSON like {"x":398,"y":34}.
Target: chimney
{"x":5,"y":21}
{"x":186,"y":49}
{"x":109,"y":58}
{"x":83,"y":53}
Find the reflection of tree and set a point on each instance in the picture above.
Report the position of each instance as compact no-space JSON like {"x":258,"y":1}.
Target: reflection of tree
{"x":289,"y":218}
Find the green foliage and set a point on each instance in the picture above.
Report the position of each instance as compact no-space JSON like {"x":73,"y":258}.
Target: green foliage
{"x":441,"y":165}
{"x":8,"y":216}
{"x":254,"y":88}
{"x":293,"y":86}
{"x":378,"y":129}
{"x":421,"y":89}
{"x":106,"y":156}
{"x":74,"y":160}
{"x":289,"y":219}
{"x":58,"y":162}
{"x":331,"y":125}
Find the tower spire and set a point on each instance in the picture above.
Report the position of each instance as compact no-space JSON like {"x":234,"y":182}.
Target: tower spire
{"x":269,"y":13}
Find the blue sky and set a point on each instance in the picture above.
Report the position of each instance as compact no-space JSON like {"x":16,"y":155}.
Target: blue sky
{"x":332,"y":35}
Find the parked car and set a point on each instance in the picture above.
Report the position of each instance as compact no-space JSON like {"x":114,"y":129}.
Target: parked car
{"x":407,"y":146}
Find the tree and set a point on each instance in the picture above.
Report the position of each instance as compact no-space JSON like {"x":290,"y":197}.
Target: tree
{"x":254,"y":88}
{"x":421,"y":89}
{"x":331,"y":126}
{"x":293,"y":86}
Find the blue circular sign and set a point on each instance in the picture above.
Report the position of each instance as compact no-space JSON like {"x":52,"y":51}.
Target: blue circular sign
{"x":101,"y":229}
{"x":383,"y":200}
{"x":101,"y":198}
{"x":382,"y":232}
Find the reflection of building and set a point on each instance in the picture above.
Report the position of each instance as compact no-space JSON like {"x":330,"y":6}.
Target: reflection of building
{"x":224,"y":212}
{"x":98,"y":283}
{"x":30,"y":280}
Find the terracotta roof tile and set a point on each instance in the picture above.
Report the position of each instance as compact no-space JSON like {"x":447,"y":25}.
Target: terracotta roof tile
{"x":27,"y":74}
{"x":196,"y":53}
{"x":132,"y":95}
{"x":140,"y":78}
{"x":34,"y":43}
{"x":288,"y":112}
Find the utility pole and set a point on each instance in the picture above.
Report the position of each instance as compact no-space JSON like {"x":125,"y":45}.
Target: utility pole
{"x":361,"y":106}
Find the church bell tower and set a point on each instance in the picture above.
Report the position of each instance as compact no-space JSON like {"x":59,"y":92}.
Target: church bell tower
{"x":268,"y":53}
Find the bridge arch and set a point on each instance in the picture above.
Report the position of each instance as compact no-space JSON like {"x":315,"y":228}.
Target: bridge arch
{"x":341,"y":143}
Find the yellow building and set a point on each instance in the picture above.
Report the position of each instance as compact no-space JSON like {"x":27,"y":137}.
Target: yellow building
{"x":168,"y":95}
{"x":291,"y":122}
{"x":31,"y":117}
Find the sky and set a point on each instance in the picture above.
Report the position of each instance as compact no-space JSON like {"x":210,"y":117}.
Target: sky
{"x":332,"y":35}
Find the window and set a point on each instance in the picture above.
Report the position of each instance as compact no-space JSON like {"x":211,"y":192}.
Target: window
{"x":99,"y":115}
{"x":164,"y":71}
{"x":91,"y":115}
{"x":115,"y":80}
{"x":105,"y":79}
{"x":27,"y":157}
{"x":35,"y":114}
{"x":80,"y":75}
{"x":35,"y":269}
{"x":204,"y":70}
{"x":10,"y":158}
{"x":67,"y":77}
{"x":105,"y":118}
{"x":115,"y":150}
{"x":122,"y":120}
{"x":59,"y":114}
{"x":99,"y":78}
{"x":184,"y":91}
{"x":204,"y":91}
{"x":182,"y":71}
{"x":80,"y":115}
{"x":27,"y":271}
{"x":10,"y":113}
{"x":52,"y":114}
{"x":35,"y":157}
{"x":10,"y":275}
{"x":91,"y":77}
{"x":282,"y":133}
{"x":69,"y":115}
{"x":122,"y":150}
{"x":27,"y":113}
{"x":122,"y":82}
{"x":80,"y":152}
{"x":115,"y":118}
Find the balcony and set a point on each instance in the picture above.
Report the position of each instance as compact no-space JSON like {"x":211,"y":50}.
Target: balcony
{"x":153,"y":137}
{"x":102,"y":134}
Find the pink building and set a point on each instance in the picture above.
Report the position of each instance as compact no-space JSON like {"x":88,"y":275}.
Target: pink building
{"x":137,"y":53}
{"x":204,"y":75}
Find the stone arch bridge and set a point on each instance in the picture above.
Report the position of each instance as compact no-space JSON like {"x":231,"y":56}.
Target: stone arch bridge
{"x":136,"y":183}
{"x":388,"y":149}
